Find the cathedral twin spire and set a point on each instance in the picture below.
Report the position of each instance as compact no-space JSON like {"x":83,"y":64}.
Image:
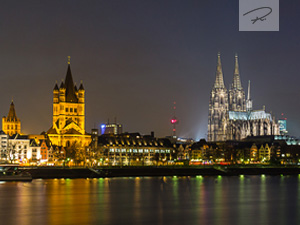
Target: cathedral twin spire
{"x":219,"y":83}
{"x":236,"y":95}
{"x":236,"y":84}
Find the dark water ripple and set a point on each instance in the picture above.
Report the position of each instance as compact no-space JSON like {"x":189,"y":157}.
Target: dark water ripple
{"x":169,"y":200}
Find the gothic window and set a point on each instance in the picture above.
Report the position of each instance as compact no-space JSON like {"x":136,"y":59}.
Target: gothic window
{"x":75,"y":110}
{"x":71,"y":109}
{"x":271,"y":130}
{"x":220,"y":123}
{"x":67,"y":109}
{"x":265,"y":128}
{"x":233,"y":132}
{"x":7,"y":127}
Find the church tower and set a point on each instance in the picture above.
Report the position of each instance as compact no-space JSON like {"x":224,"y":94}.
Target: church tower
{"x":11,"y":124}
{"x":236,"y":92}
{"x":218,"y":107}
{"x":68,"y":124}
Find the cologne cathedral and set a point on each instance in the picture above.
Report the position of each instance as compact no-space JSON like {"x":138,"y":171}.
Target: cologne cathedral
{"x":231,"y":116}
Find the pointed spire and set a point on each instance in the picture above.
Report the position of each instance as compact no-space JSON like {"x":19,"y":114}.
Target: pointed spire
{"x":81,"y":86}
{"x":236,"y":84}
{"x":248,"y":97}
{"x":75,"y":87}
{"x":62,"y":85}
{"x":12,"y":116}
{"x":249,"y":101}
{"x":55,"y":87}
{"x":236,"y":68}
{"x":70,"y":87}
{"x":219,"y":83}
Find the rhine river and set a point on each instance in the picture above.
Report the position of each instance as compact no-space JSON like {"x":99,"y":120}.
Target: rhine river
{"x":153,"y":200}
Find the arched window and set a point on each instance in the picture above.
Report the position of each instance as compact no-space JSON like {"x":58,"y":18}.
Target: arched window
{"x":265,"y":128}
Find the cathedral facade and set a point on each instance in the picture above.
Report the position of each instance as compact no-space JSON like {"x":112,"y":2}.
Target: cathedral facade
{"x":231,"y":116}
{"x":68,"y":124}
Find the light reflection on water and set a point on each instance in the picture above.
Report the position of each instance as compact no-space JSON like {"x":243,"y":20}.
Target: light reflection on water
{"x":238,"y":200}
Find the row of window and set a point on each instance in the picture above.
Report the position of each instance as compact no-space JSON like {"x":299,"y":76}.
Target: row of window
{"x":71,"y":110}
{"x":12,"y":127}
{"x":139,"y":150}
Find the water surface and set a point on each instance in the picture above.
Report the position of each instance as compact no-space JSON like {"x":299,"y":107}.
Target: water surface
{"x":219,"y":200}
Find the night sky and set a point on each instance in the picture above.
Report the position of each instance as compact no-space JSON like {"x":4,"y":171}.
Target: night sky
{"x":137,"y":57}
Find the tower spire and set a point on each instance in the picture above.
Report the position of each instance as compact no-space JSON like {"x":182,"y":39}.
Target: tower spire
{"x":236,"y":84}
{"x":236,"y":68}
{"x":249,"y":101}
{"x":69,"y":85}
{"x":219,"y":83}
{"x":248,"y":97}
{"x":69,"y":60}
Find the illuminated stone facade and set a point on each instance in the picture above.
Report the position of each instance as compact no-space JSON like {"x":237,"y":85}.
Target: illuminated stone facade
{"x":11,"y":124}
{"x":68,"y":128}
{"x":231,"y":116}
{"x":134,"y":150}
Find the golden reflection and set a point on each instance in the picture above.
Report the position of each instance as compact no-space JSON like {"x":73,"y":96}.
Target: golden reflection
{"x":137,"y":203}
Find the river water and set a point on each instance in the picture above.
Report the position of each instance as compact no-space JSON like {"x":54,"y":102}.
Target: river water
{"x":163,"y":200}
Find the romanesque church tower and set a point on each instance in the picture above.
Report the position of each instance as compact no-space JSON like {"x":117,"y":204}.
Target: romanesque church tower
{"x":218,"y":107}
{"x":236,"y":92}
{"x":11,"y":124}
{"x":68,"y":124}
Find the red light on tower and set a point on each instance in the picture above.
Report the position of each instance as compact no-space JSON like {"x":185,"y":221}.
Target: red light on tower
{"x":174,"y":121}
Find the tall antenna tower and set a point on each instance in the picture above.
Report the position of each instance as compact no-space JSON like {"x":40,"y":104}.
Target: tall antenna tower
{"x":174,"y":121}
